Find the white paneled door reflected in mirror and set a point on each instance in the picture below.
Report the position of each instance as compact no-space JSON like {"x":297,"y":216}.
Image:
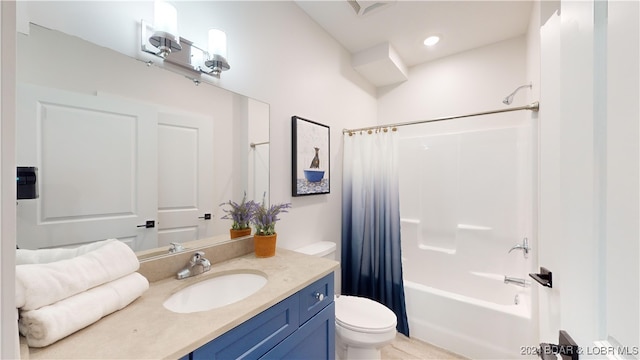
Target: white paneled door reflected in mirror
{"x":129,"y":151}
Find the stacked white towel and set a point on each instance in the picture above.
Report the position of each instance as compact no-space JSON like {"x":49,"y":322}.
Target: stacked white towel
{"x":51,"y":323}
{"x":38,"y":285}
{"x":60,"y":297}
{"x":43,"y":256}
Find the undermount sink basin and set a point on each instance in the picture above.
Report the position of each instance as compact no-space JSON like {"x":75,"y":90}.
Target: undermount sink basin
{"x":215,"y":292}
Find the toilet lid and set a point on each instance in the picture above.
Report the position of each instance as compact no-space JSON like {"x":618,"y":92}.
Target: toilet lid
{"x":363,"y":315}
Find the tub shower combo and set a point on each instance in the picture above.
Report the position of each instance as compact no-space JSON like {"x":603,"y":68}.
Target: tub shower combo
{"x":467,"y":191}
{"x":466,"y":223}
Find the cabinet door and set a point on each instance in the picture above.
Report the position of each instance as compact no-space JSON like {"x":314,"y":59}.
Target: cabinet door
{"x":315,"y":297}
{"x":313,"y":340}
{"x":256,"y":336}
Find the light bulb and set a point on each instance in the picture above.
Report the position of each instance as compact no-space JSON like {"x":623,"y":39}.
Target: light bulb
{"x":431,"y":40}
{"x":218,"y":43}
{"x":165,"y":18}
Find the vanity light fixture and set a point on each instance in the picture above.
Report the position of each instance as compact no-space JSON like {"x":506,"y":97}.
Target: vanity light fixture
{"x":162,"y":40}
{"x":431,"y":40}
{"x":217,"y":54}
{"x":165,"y":26}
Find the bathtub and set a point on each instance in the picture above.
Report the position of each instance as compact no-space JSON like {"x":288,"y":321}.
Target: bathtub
{"x":471,"y":313}
{"x":457,"y":299}
{"x":474,"y":328}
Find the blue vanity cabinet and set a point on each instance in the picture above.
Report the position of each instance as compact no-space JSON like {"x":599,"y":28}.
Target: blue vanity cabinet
{"x":315,"y":339}
{"x":299,"y":327}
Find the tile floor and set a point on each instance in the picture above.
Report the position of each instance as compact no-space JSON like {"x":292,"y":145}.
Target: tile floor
{"x":404,"y":348}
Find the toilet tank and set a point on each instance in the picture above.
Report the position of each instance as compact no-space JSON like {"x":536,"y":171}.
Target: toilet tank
{"x":325,"y":249}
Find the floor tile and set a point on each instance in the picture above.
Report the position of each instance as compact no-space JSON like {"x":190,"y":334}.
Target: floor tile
{"x":404,"y":348}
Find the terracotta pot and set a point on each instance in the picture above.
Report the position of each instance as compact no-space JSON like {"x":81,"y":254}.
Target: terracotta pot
{"x":264,"y":245}
{"x":239,"y":233}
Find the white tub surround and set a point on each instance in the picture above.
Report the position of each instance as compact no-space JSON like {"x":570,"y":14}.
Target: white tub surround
{"x":146,"y":330}
{"x":467,"y":201}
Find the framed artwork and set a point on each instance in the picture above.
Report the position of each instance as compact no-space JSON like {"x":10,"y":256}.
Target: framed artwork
{"x":309,"y":157}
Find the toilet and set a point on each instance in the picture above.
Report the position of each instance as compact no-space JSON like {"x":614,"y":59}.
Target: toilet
{"x":363,"y":326}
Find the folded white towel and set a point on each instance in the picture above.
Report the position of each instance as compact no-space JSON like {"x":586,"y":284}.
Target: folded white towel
{"x":51,"y":323}
{"x":38,"y":285}
{"x":43,"y":256}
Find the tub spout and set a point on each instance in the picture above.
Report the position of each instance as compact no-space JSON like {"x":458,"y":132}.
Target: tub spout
{"x":517,"y":281}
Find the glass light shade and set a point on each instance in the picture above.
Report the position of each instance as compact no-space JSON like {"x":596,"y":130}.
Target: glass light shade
{"x":217,"y":43}
{"x":165,"y":18}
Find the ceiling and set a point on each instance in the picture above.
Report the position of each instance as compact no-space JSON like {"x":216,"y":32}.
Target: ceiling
{"x":403,"y":25}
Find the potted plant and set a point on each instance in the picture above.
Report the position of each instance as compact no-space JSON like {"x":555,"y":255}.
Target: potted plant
{"x":241,"y":215}
{"x":264,"y":220}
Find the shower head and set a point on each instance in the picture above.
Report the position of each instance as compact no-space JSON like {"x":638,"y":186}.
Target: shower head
{"x":509,"y":99}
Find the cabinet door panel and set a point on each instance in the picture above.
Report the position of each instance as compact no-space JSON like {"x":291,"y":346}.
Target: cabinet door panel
{"x":315,"y":297}
{"x":256,"y":336}
{"x":313,"y":340}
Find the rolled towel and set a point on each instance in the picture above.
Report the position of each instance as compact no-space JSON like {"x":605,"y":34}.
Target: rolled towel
{"x":43,"y":256}
{"x":53,"y":322}
{"x":38,"y":285}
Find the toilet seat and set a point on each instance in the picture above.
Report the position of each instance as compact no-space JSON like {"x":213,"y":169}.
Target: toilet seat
{"x":364,"y":315}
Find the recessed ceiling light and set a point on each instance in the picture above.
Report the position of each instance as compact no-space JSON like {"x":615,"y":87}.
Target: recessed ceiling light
{"x":431,"y":40}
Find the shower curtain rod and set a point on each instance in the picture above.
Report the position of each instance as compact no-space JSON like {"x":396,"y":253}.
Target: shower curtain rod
{"x":533,"y":107}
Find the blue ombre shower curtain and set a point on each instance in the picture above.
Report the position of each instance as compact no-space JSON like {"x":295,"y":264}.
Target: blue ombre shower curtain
{"x":371,"y":255}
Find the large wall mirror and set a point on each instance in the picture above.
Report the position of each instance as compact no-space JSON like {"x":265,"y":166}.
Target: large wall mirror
{"x":120,"y":143}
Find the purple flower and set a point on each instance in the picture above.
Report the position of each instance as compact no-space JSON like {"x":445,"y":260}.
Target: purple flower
{"x":241,"y":214}
{"x":265,"y":218}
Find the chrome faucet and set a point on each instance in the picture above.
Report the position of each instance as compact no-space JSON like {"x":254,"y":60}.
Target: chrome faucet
{"x":516,"y":281}
{"x":524,"y":247}
{"x":175,"y":247}
{"x":197,"y":265}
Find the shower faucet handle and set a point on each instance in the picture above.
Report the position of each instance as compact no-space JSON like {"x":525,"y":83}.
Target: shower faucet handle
{"x":524,"y":247}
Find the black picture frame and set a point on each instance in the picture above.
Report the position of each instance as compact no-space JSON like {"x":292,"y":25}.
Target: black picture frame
{"x":310,"y":160}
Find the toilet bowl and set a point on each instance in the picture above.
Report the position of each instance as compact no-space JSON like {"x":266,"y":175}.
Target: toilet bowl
{"x":363,"y":326}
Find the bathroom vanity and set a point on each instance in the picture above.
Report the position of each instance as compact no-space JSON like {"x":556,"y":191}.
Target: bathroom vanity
{"x":290,"y":317}
{"x":300,"y":325}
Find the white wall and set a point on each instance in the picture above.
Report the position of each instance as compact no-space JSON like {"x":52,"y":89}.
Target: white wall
{"x":549,"y":220}
{"x":622,"y":274}
{"x":8,"y":328}
{"x":278,"y":55}
{"x":468,"y":82}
